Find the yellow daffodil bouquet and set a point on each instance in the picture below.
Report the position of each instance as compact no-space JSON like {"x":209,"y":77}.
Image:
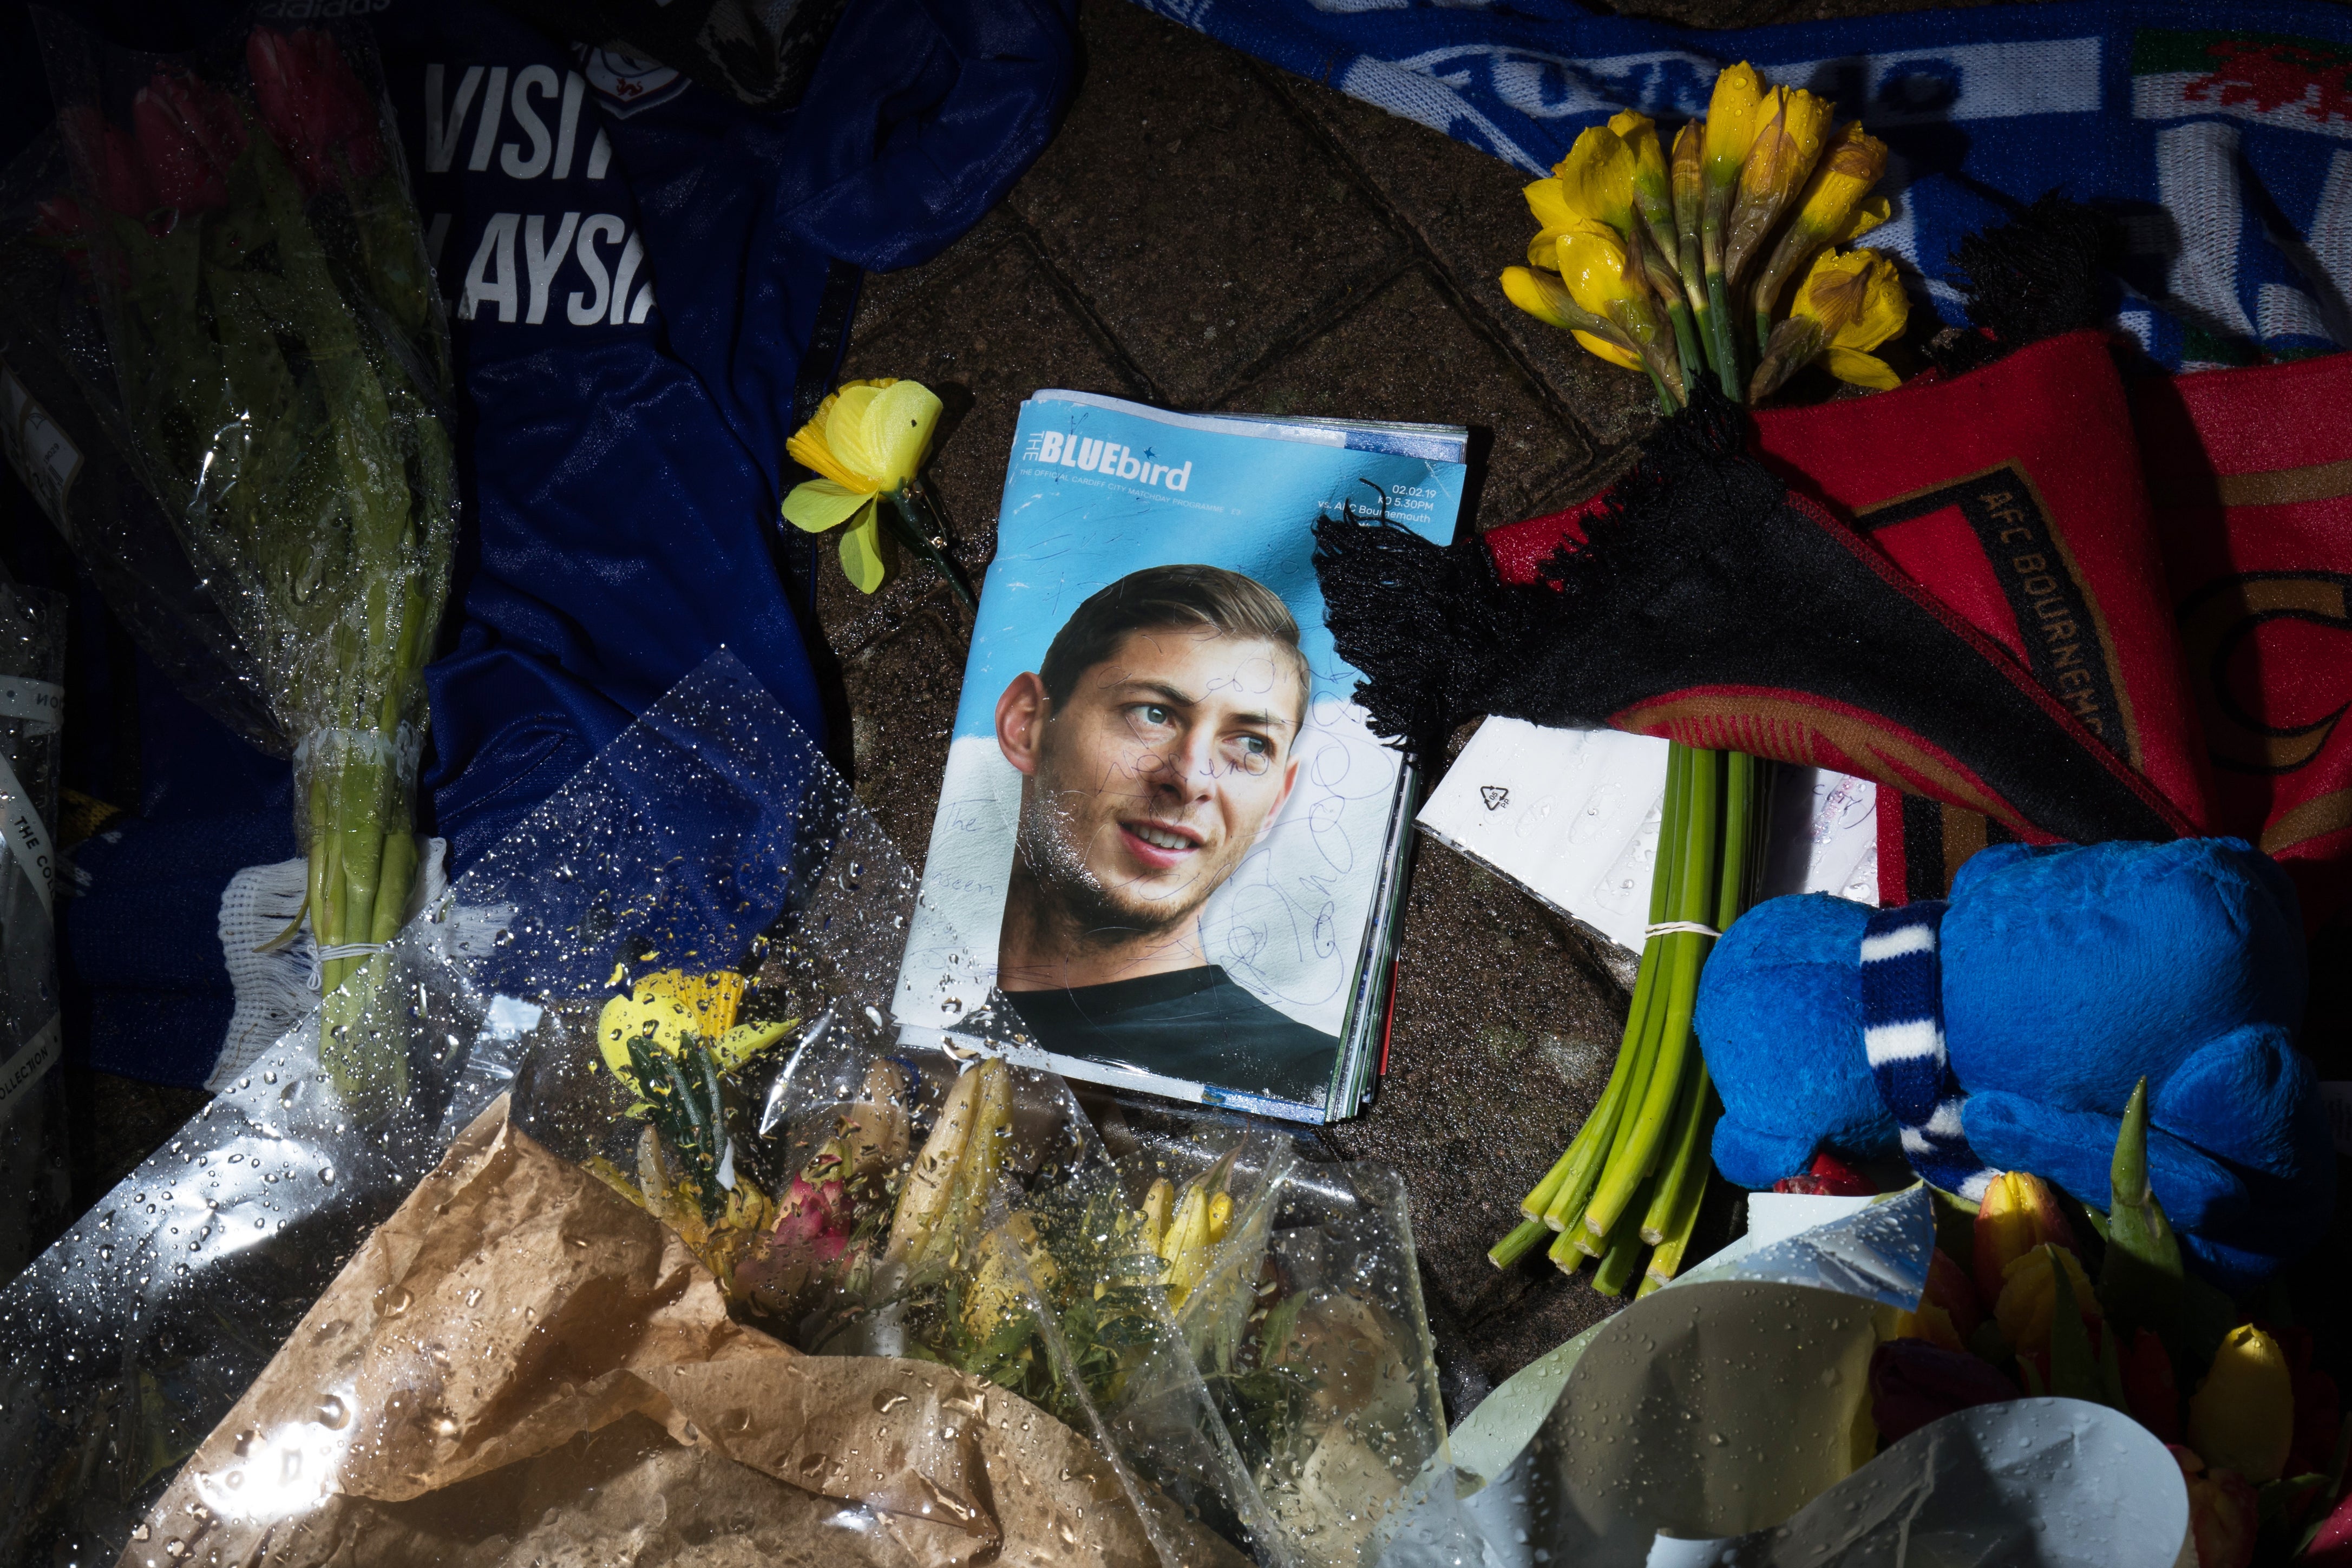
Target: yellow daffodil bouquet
{"x":1729,"y":254}
{"x":1726,"y":253}
{"x":867,"y":446}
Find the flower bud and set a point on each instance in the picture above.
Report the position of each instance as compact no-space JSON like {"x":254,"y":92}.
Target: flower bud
{"x":2019,"y":1213}
{"x":1732,"y":109}
{"x":189,"y":134}
{"x":314,"y":106}
{"x":2241,"y":1417}
{"x":2222,"y":1513}
{"x":1950,"y":1288}
{"x":1930,"y":1322}
{"x":2149,"y":1388}
{"x":2029,"y":1297}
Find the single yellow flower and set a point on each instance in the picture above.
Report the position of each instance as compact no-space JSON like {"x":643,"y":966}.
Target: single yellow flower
{"x":1593,"y":183}
{"x":1790,"y":132}
{"x":1592,"y":266}
{"x":1653,"y":191}
{"x":671,"y":1004}
{"x":867,"y":442}
{"x":1850,"y":303}
{"x":1856,"y":300}
{"x":2029,"y":1296}
{"x":1547,"y":298}
{"x":2241,"y":1417}
{"x":1732,"y":117}
{"x":1854,"y":162}
{"x":1791,"y":126}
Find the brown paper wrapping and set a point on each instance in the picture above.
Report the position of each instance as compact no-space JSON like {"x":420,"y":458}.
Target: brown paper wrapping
{"x":521,"y":1368}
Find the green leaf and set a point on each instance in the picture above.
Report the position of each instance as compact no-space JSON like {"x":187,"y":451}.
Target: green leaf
{"x":2073,"y":1373}
{"x":2139,"y":1279}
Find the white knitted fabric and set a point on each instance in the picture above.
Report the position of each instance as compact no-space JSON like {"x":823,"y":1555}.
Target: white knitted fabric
{"x":277,"y":990}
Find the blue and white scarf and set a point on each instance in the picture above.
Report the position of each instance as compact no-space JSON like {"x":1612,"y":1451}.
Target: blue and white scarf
{"x":2221,"y":133}
{"x":1902,"y":1036}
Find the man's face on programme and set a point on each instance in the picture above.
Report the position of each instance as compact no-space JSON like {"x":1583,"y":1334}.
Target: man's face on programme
{"x":1162,"y":767}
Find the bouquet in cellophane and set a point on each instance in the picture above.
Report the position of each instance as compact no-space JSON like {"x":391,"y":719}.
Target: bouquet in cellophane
{"x":271,"y":358}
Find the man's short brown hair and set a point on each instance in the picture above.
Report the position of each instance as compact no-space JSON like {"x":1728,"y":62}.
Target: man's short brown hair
{"x":1160,"y":598}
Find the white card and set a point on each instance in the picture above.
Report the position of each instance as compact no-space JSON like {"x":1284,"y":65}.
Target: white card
{"x":1573,"y":816}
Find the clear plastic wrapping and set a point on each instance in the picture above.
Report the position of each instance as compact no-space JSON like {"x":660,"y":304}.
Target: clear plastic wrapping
{"x":35,"y":1189}
{"x":64,"y":435}
{"x":679,"y":973}
{"x":705,"y":823}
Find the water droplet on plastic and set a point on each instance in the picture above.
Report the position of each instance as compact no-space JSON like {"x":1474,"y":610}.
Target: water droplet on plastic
{"x":327,"y":1174}
{"x":332,"y":1413}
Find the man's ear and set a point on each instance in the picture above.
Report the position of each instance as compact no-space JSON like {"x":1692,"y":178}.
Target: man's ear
{"x":1021,"y":720}
{"x":1289,"y":782}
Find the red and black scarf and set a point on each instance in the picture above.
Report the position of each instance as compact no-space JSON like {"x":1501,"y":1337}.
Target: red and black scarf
{"x":2035,"y":603}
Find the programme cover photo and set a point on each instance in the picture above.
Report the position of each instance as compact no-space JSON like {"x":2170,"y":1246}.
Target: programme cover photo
{"x":1165,"y":831}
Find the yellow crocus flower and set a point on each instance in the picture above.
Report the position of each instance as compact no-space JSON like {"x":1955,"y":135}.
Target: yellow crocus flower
{"x":1733,"y":113}
{"x":867,"y":442}
{"x":1547,"y":298}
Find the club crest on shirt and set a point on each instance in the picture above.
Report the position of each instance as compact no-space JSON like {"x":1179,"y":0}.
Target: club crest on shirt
{"x":628,"y":84}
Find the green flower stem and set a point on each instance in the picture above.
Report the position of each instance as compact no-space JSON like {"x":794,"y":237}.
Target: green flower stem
{"x":1604,"y":1110}
{"x":1686,"y":325}
{"x":1666,"y":1257}
{"x":1666,"y":404}
{"x":1518,"y":1243}
{"x":1702,"y":313}
{"x":1630,"y":1079}
{"x":1620,"y":1259}
{"x":1718,"y":293}
{"x":1682,"y":1159}
{"x":1694,"y":901}
{"x":915,"y":522}
{"x":1588,"y":1237}
{"x":1563,"y":1253}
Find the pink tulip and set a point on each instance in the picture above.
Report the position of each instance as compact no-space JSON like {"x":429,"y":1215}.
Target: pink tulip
{"x":189,"y":134}
{"x":314,"y":106}
{"x":2224,"y":1518}
{"x":1913,"y":1382}
{"x":815,"y":1218}
{"x":62,"y":217}
{"x":112,"y":160}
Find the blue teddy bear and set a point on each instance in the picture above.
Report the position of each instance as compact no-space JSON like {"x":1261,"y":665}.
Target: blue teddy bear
{"x":2067,"y":974}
